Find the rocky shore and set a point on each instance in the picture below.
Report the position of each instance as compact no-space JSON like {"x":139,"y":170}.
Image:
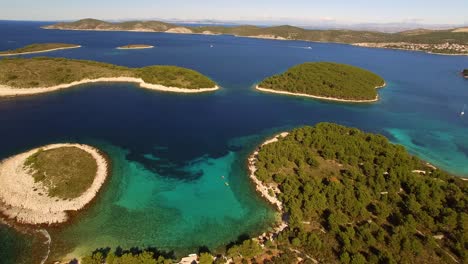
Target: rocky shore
{"x":6,"y":91}
{"x":27,"y":202}
{"x":267,"y":191}
{"x":266,"y":90}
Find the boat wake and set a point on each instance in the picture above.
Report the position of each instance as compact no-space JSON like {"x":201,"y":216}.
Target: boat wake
{"x":300,"y":47}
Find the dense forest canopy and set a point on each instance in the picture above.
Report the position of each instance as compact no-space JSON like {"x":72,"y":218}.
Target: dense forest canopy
{"x":46,"y":72}
{"x":350,"y":197}
{"x":353,"y":197}
{"x":326,"y":79}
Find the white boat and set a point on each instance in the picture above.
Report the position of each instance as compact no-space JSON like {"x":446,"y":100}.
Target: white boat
{"x":462,"y":113}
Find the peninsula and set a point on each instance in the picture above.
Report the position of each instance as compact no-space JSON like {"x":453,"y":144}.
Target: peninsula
{"x":38,"y":48}
{"x":21,"y":76}
{"x":42,"y":185}
{"x":325,"y":81}
{"x":351,"y":195}
{"x":136,"y":46}
{"x":346,"y":196}
{"x":448,"y":41}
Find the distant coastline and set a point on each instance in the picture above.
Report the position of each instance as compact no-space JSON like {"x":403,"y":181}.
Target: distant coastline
{"x":39,"y":51}
{"x":408,"y":47}
{"x":434,"y":39}
{"x":8,"y":91}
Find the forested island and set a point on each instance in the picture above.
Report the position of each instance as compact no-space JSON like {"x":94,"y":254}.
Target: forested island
{"x":465,"y":73}
{"x":347,"y":197}
{"x":449,"y":41}
{"x":136,"y":46}
{"x":21,"y":76}
{"x":326,"y":81}
{"x":42,"y":185}
{"x":38,"y":48}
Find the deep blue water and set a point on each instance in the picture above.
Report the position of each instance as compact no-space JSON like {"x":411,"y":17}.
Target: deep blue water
{"x":180,"y":141}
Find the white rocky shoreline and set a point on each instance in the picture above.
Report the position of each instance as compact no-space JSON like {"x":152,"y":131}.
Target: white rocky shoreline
{"x":8,"y":91}
{"x":26,"y":201}
{"x":333,"y":99}
{"x":269,"y":192}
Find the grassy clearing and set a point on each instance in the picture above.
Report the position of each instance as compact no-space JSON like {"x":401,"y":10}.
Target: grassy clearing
{"x":46,"y":72}
{"x":38,"y":47}
{"x":66,"y":172}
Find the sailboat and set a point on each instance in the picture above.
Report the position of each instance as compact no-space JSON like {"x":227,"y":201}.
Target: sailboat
{"x":463,"y":111}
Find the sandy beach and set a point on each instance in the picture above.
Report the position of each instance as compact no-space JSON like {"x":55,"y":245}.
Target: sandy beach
{"x":40,"y":51}
{"x":320,"y":97}
{"x":7,"y":91}
{"x":27,"y":202}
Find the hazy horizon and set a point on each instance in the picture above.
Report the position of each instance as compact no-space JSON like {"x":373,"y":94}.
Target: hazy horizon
{"x":297,"y":12}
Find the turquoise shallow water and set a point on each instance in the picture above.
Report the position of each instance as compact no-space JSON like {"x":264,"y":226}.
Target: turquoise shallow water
{"x":170,"y":151}
{"x":143,"y":208}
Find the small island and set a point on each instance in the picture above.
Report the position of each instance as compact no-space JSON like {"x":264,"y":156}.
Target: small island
{"x":326,"y":81}
{"x":23,"y":76}
{"x":42,"y":185}
{"x":38,"y":48}
{"x":465,"y":73}
{"x":136,"y":46}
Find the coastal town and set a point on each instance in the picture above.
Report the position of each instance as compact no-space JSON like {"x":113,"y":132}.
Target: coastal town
{"x":444,"y":48}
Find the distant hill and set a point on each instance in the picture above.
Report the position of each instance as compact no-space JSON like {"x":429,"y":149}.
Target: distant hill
{"x":94,"y":24}
{"x":418,"y":31}
{"x":458,"y":36}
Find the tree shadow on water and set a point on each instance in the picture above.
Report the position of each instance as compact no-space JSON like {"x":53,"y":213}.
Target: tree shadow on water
{"x":240,"y":239}
{"x":119,"y":252}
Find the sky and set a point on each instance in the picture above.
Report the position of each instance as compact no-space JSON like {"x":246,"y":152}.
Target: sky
{"x":295,"y":11}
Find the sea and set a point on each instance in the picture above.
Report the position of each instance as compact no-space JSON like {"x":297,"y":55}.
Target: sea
{"x":179,"y":177}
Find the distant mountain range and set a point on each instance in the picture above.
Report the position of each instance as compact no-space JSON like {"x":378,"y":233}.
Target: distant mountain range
{"x":453,"y":41}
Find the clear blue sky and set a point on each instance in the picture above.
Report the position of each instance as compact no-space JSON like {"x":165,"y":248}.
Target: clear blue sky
{"x":344,"y":11}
